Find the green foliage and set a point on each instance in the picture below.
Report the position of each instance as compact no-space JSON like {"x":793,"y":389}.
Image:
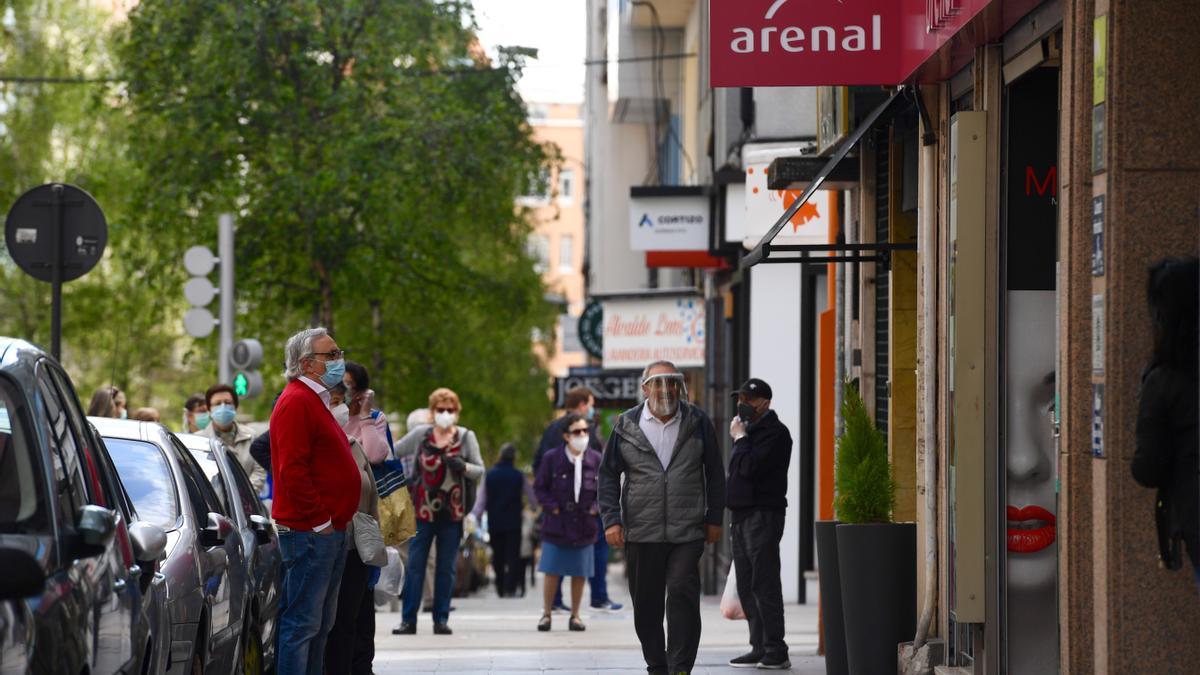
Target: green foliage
{"x":373,"y":164}
{"x":372,"y":161}
{"x":120,"y":323}
{"x":866,"y":492}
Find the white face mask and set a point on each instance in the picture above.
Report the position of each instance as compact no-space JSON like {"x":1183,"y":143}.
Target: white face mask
{"x":579,"y":444}
{"x":445,"y":420}
{"x":341,"y":413}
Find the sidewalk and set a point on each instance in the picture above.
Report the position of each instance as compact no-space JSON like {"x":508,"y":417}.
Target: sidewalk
{"x":499,"y":635}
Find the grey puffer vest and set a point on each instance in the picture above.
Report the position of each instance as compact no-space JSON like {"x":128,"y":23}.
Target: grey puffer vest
{"x":657,"y":505}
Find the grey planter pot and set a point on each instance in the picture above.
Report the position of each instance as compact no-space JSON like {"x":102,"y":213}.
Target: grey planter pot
{"x":878,"y":568}
{"x":829,"y":578}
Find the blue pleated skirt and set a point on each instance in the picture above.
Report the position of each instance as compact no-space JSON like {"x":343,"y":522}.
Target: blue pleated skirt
{"x":567,"y":561}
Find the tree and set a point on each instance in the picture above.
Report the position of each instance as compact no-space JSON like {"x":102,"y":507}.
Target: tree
{"x":372,"y":161}
{"x":119,"y":321}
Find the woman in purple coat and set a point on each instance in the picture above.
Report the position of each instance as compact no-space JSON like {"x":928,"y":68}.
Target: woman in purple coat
{"x":566,"y":489}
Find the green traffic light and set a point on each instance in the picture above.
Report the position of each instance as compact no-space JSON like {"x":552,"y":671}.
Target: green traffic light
{"x":241,"y":384}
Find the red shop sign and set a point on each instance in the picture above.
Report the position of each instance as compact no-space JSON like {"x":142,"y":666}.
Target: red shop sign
{"x":805,"y":43}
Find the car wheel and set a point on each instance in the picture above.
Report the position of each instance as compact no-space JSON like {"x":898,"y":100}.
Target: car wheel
{"x":252,"y":649}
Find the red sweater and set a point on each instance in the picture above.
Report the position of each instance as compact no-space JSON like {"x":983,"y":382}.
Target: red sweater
{"x":316,"y":477}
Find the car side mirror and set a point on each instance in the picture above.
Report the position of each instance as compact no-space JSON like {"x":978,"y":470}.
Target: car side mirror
{"x":262,"y":528}
{"x":95,"y":528}
{"x":149,"y":541}
{"x":218,"y":530}
{"x":23,"y":576}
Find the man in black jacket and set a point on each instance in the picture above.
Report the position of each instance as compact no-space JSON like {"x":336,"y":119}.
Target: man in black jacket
{"x":757,"y":499}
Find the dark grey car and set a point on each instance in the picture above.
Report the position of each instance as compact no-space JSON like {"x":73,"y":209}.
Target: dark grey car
{"x":78,"y":590}
{"x":205,"y":568}
{"x":264,"y":562}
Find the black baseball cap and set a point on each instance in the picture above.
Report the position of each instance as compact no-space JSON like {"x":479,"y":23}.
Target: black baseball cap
{"x":754,"y":388}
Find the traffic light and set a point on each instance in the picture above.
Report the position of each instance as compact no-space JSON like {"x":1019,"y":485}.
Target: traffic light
{"x":244,"y":358}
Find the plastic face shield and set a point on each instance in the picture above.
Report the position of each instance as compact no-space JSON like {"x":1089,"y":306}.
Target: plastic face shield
{"x":665,"y":386}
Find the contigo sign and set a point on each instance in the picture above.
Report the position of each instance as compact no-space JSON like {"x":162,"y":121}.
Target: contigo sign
{"x":807,"y":43}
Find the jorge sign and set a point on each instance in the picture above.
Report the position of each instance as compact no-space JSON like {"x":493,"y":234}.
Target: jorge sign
{"x":800,"y":43}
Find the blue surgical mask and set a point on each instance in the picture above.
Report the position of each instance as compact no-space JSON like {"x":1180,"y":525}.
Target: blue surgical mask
{"x":591,"y":413}
{"x":223,"y":414}
{"x":124,"y":414}
{"x":334,"y":370}
{"x":202,"y":420}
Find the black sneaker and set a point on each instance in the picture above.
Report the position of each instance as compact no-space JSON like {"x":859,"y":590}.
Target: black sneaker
{"x":748,"y":660}
{"x":442,"y":629}
{"x":774,"y":663}
{"x":560,"y":608}
{"x":405,"y":629}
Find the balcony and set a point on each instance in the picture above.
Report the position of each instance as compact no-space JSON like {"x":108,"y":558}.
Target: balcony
{"x":641,"y":84}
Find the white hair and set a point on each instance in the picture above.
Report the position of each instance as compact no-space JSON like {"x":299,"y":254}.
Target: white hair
{"x":657,"y":364}
{"x":299,"y":347}
{"x":418,"y":417}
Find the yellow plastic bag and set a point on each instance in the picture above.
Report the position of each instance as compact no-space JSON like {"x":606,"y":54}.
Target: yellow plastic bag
{"x":397,"y":517}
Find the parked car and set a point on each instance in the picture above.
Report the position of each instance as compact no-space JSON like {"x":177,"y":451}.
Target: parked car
{"x":205,"y":561}
{"x":77,"y":581}
{"x":264,"y":562}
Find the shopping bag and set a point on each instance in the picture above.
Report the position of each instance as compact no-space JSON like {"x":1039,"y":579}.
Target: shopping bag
{"x":731,"y":605}
{"x":397,"y":517}
{"x":391,"y":575}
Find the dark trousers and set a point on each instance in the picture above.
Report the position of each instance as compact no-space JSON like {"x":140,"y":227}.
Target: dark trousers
{"x":506,"y":561}
{"x":351,"y":646}
{"x":659,"y":571}
{"x":755,"y":541}
{"x":448,"y":534}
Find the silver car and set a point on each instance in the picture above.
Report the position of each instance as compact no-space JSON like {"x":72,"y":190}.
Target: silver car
{"x":264,"y":562}
{"x":205,"y":565}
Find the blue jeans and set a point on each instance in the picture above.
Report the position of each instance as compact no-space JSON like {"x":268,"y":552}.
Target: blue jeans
{"x":448,"y":534}
{"x":312,"y":574}
{"x":599,"y":581}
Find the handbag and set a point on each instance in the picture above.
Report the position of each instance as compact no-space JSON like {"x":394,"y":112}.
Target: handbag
{"x":397,"y":517}
{"x":368,"y":540}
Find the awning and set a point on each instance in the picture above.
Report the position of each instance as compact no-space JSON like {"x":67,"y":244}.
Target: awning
{"x":899,"y":101}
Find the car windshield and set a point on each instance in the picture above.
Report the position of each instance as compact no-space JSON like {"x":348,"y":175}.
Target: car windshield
{"x":147,"y":479}
{"x":20,"y":508}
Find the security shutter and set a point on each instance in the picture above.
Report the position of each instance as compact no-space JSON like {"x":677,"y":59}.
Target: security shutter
{"x":882,"y":277}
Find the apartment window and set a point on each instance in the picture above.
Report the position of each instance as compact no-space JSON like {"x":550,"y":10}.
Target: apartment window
{"x":566,"y":254}
{"x":539,"y":250}
{"x":566,"y":187}
{"x":538,"y":192}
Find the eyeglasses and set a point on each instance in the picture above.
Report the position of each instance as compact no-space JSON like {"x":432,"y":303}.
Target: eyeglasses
{"x":578,"y":432}
{"x":335,"y":354}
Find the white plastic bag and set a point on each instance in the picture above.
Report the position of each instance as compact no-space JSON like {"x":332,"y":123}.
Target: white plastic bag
{"x":731,"y":604}
{"x":391,"y":576}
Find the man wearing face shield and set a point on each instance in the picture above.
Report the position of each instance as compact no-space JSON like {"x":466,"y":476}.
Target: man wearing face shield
{"x":757,"y":498}
{"x":670,"y":504}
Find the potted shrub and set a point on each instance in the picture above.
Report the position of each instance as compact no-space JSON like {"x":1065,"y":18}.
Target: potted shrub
{"x":877,"y":559}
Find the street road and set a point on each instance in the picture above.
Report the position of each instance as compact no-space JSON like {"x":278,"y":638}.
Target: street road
{"x":494,"y":635}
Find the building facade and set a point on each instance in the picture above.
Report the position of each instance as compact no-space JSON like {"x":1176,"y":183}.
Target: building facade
{"x":1013,"y":184}
{"x":557,"y":241}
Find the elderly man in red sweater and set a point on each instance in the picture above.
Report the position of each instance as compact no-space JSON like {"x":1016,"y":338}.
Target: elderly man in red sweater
{"x":316,"y":495}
